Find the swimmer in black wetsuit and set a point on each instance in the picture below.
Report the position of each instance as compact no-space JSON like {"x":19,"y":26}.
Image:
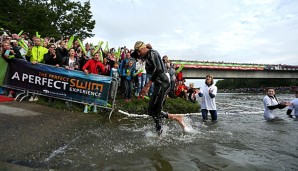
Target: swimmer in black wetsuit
{"x":155,"y":67}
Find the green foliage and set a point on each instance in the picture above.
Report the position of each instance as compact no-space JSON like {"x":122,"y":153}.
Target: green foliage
{"x":254,"y":83}
{"x":54,"y":18}
{"x":172,"y":105}
{"x":136,"y":106}
{"x":180,"y":106}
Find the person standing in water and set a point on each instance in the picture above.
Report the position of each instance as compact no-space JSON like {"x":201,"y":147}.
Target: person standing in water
{"x":293,"y":106}
{"x":155,"y":67}
{"x":271,"y":103}
{"x":208,"y":93}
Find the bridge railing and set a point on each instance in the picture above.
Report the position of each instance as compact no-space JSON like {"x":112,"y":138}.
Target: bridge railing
{"x":232,"y":66}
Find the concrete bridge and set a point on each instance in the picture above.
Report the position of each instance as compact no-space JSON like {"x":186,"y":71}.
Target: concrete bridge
{"x":199,"y":70}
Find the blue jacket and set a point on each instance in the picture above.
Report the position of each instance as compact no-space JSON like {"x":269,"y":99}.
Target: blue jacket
{"x":128,"y":73}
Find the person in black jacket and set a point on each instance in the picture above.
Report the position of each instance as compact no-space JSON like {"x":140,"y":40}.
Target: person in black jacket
{"x":16,"y":49}
{"x":155,"y":67}
{"x":61,"y":52}
{"x":71,"y":62}
{"x":51,"y":57}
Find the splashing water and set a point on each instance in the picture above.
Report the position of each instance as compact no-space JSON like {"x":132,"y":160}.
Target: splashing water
{"x":241,"y":140}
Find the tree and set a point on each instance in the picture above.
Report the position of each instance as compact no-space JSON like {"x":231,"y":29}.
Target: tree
{"x":73,"y":18}
{"x":54,"y":18}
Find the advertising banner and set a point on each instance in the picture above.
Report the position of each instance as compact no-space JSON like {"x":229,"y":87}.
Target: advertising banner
{"x":58,"y":82}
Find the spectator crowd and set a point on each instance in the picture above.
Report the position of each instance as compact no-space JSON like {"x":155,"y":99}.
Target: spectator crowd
{"x":124,"y":64}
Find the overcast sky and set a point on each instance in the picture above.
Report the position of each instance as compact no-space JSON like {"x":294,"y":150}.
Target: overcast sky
{"x":245,"y":31}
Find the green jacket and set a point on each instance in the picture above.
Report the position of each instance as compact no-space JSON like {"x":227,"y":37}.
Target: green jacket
{"x":37,"y":54}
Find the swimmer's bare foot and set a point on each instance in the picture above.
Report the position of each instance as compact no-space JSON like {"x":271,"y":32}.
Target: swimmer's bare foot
{"x":179,"y":119}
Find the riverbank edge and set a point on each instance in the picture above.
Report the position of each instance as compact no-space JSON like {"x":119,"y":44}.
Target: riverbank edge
{"x":136,"y":106}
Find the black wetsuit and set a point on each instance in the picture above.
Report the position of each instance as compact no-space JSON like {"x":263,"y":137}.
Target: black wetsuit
{"x":155,"y":67}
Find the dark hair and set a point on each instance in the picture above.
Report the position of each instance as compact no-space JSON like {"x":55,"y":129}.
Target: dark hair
{"x":269,"y":88}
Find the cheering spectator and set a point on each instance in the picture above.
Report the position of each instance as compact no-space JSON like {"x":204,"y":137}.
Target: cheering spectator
{"x":16,"y":49}
{"x":61,"y":52}
{"x":76,"y":45}
{"x":181,"y":90}
{"x":141,"y":76}
{"x":51,"y":57}
{"x":173,"y":80}
{"x":191,"y":93}
{"x":179,"y":76}
{"x":122,"y":68}
{"x":129,"y":71}
{"x":115,"y":73}
{"x":94,"y":66}
{"x":37,"y":56}
{"x":7,"y":52}
{"x":45,"y":44}
{"x":38,"y":52}
{"x":111,"y":59}
{"x":71,"y":62}
{"x":88,"y":50}
{"x":107,"y":66}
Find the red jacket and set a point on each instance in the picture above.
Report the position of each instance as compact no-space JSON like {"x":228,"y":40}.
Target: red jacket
{"x":94,"y":67}
{"x":179,"y":76}
{"x":179,"y":89}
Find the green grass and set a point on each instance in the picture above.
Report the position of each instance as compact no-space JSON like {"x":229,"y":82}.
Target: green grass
{"x":136,"y":106}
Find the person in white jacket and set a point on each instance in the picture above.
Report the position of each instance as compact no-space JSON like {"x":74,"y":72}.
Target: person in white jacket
{"x":271,"y":103}
{"x":208,"y":93}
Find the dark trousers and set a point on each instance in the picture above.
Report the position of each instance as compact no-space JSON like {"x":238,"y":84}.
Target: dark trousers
{"x":128,"y":88}
{"x":122,"y":85}
{"x":212,"y":112}
{"x":156,"y":102}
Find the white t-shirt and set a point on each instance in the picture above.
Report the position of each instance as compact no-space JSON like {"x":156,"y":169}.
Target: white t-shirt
{"x":294,"y":106}
{"x":269,"y":114}
{"x":207,"y":102}
{"x":140,"y":65}
{"x":71,"y":63}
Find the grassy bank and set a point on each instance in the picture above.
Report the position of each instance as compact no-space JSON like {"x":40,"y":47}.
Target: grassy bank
{"x":136,"y":106}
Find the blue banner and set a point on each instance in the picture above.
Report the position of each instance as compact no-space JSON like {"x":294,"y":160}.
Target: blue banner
{"x":58,"y":82}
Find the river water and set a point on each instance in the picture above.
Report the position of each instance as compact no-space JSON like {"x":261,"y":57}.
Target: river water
{"x":240,"y":140}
